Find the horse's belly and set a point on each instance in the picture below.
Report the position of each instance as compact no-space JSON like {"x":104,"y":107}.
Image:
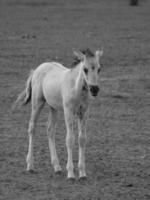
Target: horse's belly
{"x":54,"y":100}
{"x":52,"y":92}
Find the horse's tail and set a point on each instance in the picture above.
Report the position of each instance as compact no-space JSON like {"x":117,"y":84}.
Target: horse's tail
{"x":25,"y":96}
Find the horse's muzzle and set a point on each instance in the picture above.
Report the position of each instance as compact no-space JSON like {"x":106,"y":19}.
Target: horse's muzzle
{"x":94,"y":89}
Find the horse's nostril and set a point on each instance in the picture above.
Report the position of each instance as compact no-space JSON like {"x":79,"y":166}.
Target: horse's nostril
{"x":94,"y":89}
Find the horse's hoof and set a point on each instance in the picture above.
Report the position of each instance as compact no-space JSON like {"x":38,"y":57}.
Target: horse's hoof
{"x":71,"y":180}
{"x":59,"y":172}
{"x":83,"y":179}
{"x":31,"y":171}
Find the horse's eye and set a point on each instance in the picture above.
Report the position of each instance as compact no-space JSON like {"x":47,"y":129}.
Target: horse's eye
{"x":86,"y":70}
{"x":98,"y":70}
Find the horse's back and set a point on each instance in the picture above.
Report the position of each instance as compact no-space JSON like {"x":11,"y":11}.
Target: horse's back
{"x":45,"y":68}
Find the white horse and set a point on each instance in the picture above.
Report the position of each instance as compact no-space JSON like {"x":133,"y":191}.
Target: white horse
{"x":65,"y":88}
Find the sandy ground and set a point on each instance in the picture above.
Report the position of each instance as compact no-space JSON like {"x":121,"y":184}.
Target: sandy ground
{"x":118,"y":148}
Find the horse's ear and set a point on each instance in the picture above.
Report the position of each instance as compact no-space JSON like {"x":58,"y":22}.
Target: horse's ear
{"x":79,"y":55}
{"x":99,"y":53}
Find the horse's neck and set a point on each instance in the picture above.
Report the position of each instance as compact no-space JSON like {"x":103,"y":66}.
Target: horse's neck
{"x":79,"y":77}
{"x":80,"y":83}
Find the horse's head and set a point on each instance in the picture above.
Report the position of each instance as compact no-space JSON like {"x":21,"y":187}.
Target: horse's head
{"x":91,"y":67}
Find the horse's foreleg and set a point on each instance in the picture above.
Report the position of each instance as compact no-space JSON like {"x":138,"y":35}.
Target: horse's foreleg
{"x":31,"y":131}
{"x":70,"y":140}
{"x":51,"y":138}
{"x":82,"y":145}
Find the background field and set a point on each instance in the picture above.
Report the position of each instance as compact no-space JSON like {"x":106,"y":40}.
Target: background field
{"x":118,"y":148}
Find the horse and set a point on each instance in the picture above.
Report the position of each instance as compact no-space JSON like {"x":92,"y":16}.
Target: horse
{"x":70,"y":89}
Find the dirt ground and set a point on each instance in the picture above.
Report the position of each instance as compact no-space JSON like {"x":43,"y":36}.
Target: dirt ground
{"x":118,"y":147}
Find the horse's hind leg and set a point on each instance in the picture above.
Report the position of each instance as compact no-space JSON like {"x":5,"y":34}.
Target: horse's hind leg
{"x":51,"y":138}
{"x":37,"y":105}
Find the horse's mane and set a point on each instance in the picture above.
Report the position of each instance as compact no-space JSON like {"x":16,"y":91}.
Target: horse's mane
{"x":87,"y":52}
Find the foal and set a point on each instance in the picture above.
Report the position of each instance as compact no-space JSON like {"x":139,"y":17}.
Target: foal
{"x":65,"y":88}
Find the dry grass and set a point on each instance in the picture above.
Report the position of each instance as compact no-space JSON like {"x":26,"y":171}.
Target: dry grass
{"x":117,"y":157}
